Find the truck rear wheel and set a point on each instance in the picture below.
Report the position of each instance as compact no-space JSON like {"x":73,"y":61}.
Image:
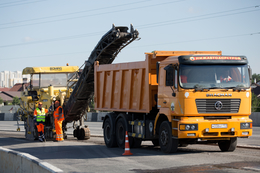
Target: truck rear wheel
{"x":228,"y":145}
{"x":109,"y":137}
{"x":167,"y":143}
{"x":120,"y":133}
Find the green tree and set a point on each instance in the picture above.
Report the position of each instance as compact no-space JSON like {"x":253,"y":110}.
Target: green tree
{"x":255,"y":107}
{"x":1,"y":100}
{"x":256,"y":76}
{"x":92,"y":105}
{"x":16,"y":101}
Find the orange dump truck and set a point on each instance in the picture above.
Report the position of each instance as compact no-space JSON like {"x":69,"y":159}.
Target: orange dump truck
{"x":175,"y":98}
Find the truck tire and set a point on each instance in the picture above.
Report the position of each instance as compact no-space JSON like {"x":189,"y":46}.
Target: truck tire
{"x":120,"y":133}
{"x":228,"y":145}
{"x":167,"y":143}
{"x":109,"y":136}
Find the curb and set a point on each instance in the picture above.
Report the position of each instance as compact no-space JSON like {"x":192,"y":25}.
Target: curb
{"x":11,"y":161}
{"x":248,"y":146}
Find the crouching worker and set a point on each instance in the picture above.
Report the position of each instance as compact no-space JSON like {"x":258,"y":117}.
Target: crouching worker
{"x":58,"y":119}
{"x":39,"y":120}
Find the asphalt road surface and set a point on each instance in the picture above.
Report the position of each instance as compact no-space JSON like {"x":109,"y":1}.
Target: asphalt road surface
{"x":93,"y":156}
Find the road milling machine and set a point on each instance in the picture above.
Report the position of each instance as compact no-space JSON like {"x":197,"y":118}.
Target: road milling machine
{"x":72,"y":86}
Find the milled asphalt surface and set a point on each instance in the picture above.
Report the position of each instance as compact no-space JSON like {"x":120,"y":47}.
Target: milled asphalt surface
{"x":74,"y":155}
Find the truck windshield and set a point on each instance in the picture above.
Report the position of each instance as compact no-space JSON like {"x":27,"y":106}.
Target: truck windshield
{"x":45,"y":80}
{"x":214,"y":76}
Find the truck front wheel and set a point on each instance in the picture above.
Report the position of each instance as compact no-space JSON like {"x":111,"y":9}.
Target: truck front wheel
{"x":167,"y":143}
{"x":109,"y":136}
{"x":228,"y":145}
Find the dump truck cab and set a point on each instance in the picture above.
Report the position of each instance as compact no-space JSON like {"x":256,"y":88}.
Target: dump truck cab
{"x":206,"y":98}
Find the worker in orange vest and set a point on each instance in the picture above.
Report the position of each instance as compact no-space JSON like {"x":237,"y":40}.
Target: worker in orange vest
{"x":58,"y":119}
{"x":39,"y":120}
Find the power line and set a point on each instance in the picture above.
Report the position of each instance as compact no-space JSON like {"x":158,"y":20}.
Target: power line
{"x":40,"y":56}
{"x":23,"y":3}
{"x":128,"y":9}
{"x":74,"y":13}
{"x":205,"y":39}
{"x":160,"y":23}
{"x":10,"y":2}
{"x":54,"y":39}
{"x":177,"y":42}
{"x":188,"y":18}
{"x":144,"y":27}
{"x":192,"y":20}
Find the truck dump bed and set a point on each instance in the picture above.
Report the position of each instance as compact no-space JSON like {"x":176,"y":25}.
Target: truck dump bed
{"x":126,"y":87}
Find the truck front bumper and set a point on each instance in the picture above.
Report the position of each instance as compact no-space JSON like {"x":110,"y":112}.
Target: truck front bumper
{"x":214,"y":129}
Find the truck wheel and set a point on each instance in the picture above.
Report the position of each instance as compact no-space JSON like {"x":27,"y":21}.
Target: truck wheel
{"x":120,"y":133}
{"x":109,"y":137}
{"x":228,"y":145}
{"x":167,"y":143}
{"x":155,"y":142}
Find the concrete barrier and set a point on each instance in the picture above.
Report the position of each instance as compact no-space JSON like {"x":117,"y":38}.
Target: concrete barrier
{"x":9,"y":113}
{"x":8,"y":116}
{"x":12,"y":161}
{"x":95,"y":117}
{"x":9,"y":108}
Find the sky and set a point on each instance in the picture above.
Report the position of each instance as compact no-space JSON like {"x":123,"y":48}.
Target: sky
{"x":37,"y":33}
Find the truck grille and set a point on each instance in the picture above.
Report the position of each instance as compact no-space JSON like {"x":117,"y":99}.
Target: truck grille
{"x":208,"y":105}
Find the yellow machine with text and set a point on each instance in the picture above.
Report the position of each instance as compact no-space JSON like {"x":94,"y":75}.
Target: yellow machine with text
{"x":47,"y":84}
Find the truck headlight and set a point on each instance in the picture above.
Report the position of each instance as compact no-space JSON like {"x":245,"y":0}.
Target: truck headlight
{"x":245,"y":125}
{"x":188,"y":127}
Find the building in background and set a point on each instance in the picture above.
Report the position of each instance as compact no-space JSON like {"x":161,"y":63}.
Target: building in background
{"x":8,"y":78}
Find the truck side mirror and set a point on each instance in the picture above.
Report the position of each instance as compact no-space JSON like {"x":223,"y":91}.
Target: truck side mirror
{"x":250,"y":73}
{"x":157,"y":71}
{"x":169,"y":75}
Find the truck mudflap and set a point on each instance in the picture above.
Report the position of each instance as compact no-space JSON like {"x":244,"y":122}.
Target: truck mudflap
{"x":214,"y":129}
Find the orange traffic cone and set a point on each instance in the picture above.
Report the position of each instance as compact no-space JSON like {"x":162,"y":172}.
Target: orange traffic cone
{"x":127,"y":148}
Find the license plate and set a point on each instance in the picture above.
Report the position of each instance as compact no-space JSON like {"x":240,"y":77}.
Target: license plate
{"x":218,"y":126}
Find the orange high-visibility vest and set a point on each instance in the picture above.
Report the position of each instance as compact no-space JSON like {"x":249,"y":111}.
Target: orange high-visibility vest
{"x":56,"y":114}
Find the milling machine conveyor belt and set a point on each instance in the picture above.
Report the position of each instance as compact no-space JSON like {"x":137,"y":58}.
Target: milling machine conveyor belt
{"x":105,"y":52}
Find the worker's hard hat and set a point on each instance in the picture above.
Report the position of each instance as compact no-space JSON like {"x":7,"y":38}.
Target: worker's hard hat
{"x":39,"y":103}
